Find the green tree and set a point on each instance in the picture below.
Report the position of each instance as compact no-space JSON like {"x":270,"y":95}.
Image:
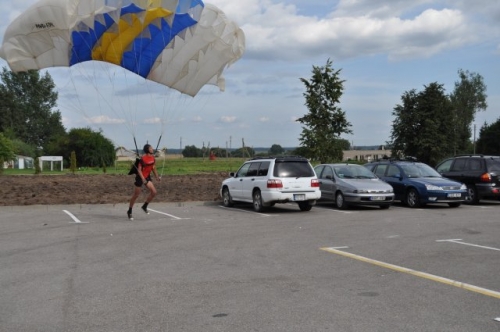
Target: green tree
{"x":26,"y":107}
{"x":6,"y":151}
{"x":245,"y":152}
{"x":38,"y":169}
{"x":191,"y":151}
{"x":421,"y":127}
{"x":72,"y":164}
{"x":276,"y":150}
{"x":489,"y":136}
{"x":92,"y":149}
{"x":325,"y":121}
{"x":219,"y":152}
{"x":468,"y":97}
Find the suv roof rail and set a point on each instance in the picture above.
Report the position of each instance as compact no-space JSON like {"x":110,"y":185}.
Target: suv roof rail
{"x":279,"y":157}
{"x":471,"y":155}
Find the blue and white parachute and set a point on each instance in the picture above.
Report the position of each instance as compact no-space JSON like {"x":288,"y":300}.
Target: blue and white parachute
{"x":183,"y":44}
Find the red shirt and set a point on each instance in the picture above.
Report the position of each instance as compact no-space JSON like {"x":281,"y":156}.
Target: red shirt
{"x":147,"y":162}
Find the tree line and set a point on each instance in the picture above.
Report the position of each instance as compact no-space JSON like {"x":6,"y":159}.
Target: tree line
{"x":430,"y":124}
{"x":30,"y":124}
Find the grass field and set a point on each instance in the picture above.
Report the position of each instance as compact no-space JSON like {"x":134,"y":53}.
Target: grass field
{"x":166,"y":166}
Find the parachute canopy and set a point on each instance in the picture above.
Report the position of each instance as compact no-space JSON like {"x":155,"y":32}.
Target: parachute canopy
{"x":183,"y":44}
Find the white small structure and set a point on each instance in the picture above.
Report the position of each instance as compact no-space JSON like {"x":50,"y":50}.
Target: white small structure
{"x":52,"y":159}
{"x":21,"y":162}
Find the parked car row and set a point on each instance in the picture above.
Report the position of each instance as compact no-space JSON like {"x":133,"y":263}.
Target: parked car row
{"x":265,"y":181}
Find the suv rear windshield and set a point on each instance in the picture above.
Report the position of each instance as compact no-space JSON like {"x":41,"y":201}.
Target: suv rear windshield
{"x":493,"y":164}
{"x":293,"y":169}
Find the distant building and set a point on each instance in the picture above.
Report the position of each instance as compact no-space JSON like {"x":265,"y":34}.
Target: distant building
{"x":21,"y":162}
{"x":366,"y":155}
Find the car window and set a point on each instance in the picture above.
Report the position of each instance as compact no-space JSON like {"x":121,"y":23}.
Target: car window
{"x":493,"y":165}
{"x":327,"y":173}
{"x":458,"y":165}
{"x":445,"y":166}
{"x":318,"y":169}
{"x":284,"y":169}
{"x":252,"y":170}
{"x":411,"y":171}
{"x":393,"y":171}
{"x":420,"y":170}
{"x":474,"y":164}
{"x":343,"y":172}
{"x":380,"y":170}
{"x":360,"y":172}
{"x":263,"y":169}
{"x":243,"y":170}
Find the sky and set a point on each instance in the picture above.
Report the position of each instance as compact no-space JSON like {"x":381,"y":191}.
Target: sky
{"x":383,"y":48}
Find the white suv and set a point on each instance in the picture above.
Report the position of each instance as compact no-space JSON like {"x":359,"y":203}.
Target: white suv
{"x":265,"y":181}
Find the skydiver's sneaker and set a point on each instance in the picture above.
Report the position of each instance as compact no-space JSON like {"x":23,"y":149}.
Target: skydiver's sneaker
{"x":129,"y":214}
{"x":145,"y":208}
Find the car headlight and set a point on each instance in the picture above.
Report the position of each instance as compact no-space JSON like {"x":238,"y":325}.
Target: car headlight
{"x":432,"y":187}
{"x":463,"y":187}
{"x":359,"y":191}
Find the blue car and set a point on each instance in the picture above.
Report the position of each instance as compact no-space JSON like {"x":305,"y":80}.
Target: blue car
{"x":416,"y":184}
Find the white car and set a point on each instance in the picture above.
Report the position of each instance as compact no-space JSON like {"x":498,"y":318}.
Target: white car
{"x":265,"y":181}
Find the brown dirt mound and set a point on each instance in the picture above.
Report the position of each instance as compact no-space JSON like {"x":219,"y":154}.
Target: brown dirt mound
{"x":104,"y":189}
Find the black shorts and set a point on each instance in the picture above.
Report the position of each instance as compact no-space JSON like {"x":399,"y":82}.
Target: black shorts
{"x":138,"y":180}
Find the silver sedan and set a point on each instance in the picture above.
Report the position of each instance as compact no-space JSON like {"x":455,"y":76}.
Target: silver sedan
{"x":352,"y":184}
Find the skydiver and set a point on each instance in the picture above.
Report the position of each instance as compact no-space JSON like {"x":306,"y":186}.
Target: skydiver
{"x":143,"y":177}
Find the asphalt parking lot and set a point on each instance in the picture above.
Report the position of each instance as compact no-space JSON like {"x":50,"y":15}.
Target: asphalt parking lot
{"x":202,"y":267}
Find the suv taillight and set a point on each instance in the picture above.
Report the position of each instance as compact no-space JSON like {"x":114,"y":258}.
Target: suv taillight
{"x":315,"y":183}
{"x":274,"y":183}
{"x":486,"y":177}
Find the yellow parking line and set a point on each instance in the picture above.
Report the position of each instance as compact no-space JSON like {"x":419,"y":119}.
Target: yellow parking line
{"x":432,"y":277}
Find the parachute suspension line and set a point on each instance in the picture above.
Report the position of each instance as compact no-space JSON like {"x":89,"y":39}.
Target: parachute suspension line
{"x":136,"y":149}
{"x":157,"y":145}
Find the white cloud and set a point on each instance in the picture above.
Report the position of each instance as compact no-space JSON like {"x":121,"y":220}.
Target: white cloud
{"x":152,"y":121}
{"x":383,"y":47}
{"x":104,"y":119}
{"x":228,"y":119}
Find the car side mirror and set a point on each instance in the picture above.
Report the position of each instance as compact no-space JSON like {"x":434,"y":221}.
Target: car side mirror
{"x":232,"y":174}
{"x":329,"y":177}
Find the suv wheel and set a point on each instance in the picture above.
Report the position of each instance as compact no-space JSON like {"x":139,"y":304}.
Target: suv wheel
{"x":472,"y":197}
{"x":340,"y":201}
{"x":412,"y":199}
{"x":227,"y":201}
{"x":305,"y":206}
{"x":257,"y":201}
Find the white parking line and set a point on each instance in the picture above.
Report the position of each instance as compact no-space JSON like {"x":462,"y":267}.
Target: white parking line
{"x":169,"y":215}
{"x":468,"y":244}
{"x":76,"y":220}
{"x":262,"y":214}
{"x":334,"y":210}
{"x":428,"y":276}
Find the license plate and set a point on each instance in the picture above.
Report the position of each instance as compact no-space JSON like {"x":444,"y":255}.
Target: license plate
{"x":377,"y":198}
{"x":455,"y":195}
{"x":299,"y":197}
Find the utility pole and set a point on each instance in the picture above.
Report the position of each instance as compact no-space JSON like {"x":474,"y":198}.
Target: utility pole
{"x":474,"y":138}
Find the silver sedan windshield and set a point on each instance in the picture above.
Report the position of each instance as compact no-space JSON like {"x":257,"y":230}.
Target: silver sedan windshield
{"x":353,"y":172}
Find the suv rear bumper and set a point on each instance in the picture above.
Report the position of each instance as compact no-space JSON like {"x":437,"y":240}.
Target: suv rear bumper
{"x":283,"y":197}
{"x":488,"y":190}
